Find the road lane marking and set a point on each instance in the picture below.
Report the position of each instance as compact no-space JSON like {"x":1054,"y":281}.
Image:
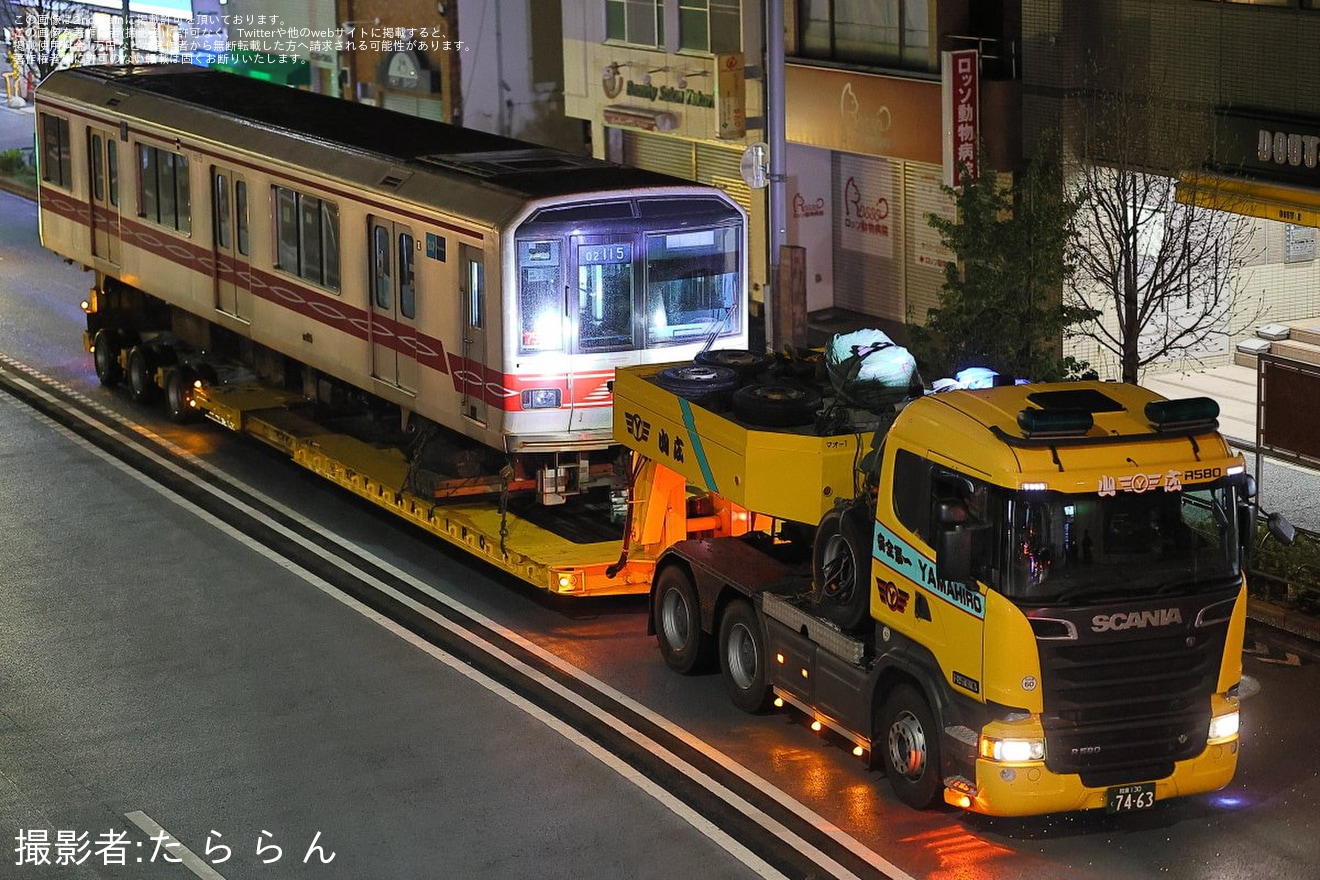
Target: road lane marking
{"x":187,"y":857}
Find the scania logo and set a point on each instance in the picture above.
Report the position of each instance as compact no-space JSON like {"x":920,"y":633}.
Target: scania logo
{"x":1135,"y":619}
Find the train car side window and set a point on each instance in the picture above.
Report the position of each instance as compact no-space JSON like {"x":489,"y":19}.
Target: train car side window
{"x":476,"y":294}
{"x":56,"y":160}
{"x":164,"y":194}
{"x":407,"y":277}
{"x":307,"y":235}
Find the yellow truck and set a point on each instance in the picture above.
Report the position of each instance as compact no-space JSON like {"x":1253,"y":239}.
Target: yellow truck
{"x":1019,"y":600}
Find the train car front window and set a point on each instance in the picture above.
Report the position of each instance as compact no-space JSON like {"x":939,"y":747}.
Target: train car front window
{"x":692,"y":284}
{"x":605,"y":292}
{"x":541,"y":297}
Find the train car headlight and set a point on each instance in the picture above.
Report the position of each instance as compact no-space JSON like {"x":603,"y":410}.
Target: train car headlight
{"x":1012,"y":751}
{"x":1224,"y":726}
{"x":541,"y":398}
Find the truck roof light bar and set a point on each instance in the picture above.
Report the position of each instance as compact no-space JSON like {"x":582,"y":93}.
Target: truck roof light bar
{"x":1185,"y":412}
{"x":1054,"y":422}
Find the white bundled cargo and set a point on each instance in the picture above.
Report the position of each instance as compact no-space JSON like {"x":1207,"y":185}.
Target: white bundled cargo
{"x":869,"y":370}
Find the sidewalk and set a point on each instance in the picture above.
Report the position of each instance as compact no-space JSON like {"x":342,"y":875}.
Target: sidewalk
{"x":17,"y":132}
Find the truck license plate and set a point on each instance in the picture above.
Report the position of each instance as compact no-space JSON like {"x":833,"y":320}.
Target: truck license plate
{"x":1126,"y":798}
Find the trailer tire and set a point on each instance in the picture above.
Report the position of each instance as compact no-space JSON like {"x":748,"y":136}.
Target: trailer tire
{"x":841,"y":567}
{"x":909,"y":742}
{"x":177,"y":382}
{"x":141,"y":375}
{"x":105,"y":358}
{"x":684,"y":646}
{"x":742,"y":657}
{"x":775,"y":404}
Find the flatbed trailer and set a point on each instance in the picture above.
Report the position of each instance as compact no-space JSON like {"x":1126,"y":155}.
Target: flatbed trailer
{"x":463,"y":513}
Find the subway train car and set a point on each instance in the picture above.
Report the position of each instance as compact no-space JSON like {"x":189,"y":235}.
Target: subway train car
{"x":449,"y":276}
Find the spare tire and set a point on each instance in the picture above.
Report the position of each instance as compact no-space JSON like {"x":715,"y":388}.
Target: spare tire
{"x":775,"y":404}
{"x":745,"y":362}
{"x":694,"y":381}
{"x":841,"y":566}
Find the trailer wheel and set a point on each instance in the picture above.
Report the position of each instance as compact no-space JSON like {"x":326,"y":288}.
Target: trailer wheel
{"x":841,"y":567}
{"x":105,"y":358}
{"x":911,"y":747}
{"x":141,"y":379}
{"x":775,"y":404}
{"x":177,"y":383}
{"x":742,"y":657}
{"x":684,"y":646}
{"x":696,"y":380}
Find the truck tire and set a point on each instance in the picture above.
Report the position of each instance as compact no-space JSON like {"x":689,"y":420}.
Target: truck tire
{"x":677,"y":615}
{"x":775,"y":404}
{"x":141,"y":375}
{"x":742,"y":657}
{"x":910,"y":744}
{"x":177,"y":382}
{"x":105,"y":358}
{"x":841,"y":567}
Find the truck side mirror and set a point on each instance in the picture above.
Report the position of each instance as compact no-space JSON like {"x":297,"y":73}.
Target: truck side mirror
{"x":1281,"y":529}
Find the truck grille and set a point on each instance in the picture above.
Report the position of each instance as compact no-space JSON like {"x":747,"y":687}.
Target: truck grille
{"x":1125,"y":709}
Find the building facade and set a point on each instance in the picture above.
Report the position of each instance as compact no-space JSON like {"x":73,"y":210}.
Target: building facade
{"x":678,"y":86}
{"x":1227,"y":77}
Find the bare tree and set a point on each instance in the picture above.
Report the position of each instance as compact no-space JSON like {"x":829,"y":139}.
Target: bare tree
{"x":1159,"y":257}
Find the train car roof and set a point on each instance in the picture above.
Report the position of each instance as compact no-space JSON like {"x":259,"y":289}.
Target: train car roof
{"x":516,"y":166}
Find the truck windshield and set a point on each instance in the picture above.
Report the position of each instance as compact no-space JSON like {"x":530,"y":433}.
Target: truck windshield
{"x":1070,"y":548}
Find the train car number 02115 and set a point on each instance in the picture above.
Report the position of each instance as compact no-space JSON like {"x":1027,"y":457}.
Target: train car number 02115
{"x":1127,"y":798}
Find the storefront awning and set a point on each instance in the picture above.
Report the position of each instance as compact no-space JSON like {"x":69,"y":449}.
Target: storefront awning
{"x":282,"y":69}
{"x":1297,"y":205}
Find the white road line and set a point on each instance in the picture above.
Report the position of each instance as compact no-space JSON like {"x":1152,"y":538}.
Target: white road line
{"x":733,"y":847}
{"x":187,"y":857}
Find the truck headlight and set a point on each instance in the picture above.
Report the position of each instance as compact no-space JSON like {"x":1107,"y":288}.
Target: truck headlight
{"x":1012,"y":751}
{"x":1223,"y":727}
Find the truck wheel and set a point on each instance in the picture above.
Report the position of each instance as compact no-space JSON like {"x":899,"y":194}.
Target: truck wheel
{"x":105,"y":357}
{"x":742,"y":657}
{"x":775,"y":405}
{"x":678,"y":621}
{"x":177,"y":382}
{"x":841,"y":567}
{"x":910,"y":744}
{"x":141,"y":375}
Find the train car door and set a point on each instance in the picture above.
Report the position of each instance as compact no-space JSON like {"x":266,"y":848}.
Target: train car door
{"x":231,"y":242}
{"x":394,"y":298}
{"x":472,"y":291}
{"x":103,"y":154}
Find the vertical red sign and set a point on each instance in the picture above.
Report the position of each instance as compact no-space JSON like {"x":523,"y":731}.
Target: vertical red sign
{"x":962,"y":115}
